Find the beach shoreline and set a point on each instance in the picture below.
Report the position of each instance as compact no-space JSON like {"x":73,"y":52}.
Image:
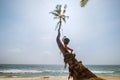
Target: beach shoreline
{"x":54,"y":78}
{"x":53,"y":72}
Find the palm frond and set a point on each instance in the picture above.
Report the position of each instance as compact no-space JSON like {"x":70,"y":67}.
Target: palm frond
{"x":58,"y":7}
{"x":64,"y":19}
{"x":83,"y":2}
{"x":57,"y":11}
{"x":65,"y":6}
{"x":59,"y":14}
{"x":55,"y":14}
{"x":64,"y":11}
{"x":56,"y":17}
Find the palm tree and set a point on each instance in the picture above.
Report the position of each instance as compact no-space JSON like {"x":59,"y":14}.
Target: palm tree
{"x":60,"y":15}
{"x":83,"y":2}
{"x":76,"y":69}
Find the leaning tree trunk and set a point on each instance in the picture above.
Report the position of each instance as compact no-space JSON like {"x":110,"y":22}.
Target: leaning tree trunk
{"x":76,"y":69}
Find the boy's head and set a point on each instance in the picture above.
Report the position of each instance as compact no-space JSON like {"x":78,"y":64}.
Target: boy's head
{"x":65,"y":40}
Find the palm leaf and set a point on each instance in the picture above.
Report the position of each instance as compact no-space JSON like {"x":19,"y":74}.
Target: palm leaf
{"x":83,"y":2}
{"x":56,"y":17}
{"x":55,"y":14}
{"x":58,"y":8}
{"x":57,"y":11}
{"x":64,"y":19}
{"x":64,"y":11}
{"x":65,"y":6}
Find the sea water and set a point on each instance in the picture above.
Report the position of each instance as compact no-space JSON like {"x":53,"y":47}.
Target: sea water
{"x":29,"y":70}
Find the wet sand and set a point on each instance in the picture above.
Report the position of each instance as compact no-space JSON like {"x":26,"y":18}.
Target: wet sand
{"x":53,"y":78}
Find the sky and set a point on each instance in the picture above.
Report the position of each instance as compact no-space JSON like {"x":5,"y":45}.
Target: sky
{"x":28,"y":35}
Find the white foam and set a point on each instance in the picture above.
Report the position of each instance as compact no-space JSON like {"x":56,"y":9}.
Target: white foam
{"x":19,"y":71}
{"x":100,"y":72}
{"x":37,"y":71}
{"x":60,"y":71}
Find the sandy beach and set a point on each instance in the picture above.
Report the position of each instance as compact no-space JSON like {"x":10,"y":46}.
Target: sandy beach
{"x":54,"y":78}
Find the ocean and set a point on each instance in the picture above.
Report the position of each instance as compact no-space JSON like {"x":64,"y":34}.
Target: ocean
{"x":22,"y":70}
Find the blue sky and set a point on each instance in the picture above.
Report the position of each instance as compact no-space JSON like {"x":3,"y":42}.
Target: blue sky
{"x":27,"y":34}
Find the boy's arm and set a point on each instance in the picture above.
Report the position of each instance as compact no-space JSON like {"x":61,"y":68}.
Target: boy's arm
{"x":68,"y":48}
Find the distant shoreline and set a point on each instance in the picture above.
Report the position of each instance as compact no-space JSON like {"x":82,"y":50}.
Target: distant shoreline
{"x":54,"y":78}
{"x":15,"y":70}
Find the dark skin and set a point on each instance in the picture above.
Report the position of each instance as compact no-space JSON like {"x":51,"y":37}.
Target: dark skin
{"x":63,"y":47}
{"x":66,"y":47}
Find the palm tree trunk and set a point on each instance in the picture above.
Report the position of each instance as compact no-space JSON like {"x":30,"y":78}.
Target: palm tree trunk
{"x":59,"y":43}
{"x":76,"y":69}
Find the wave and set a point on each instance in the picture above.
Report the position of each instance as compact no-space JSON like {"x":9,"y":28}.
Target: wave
{"x":101,"y":72}
{"x":56,"y":71}
{"x":48,"y":71}
{"x":32,"y":71}
{"x":19,"y":71}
